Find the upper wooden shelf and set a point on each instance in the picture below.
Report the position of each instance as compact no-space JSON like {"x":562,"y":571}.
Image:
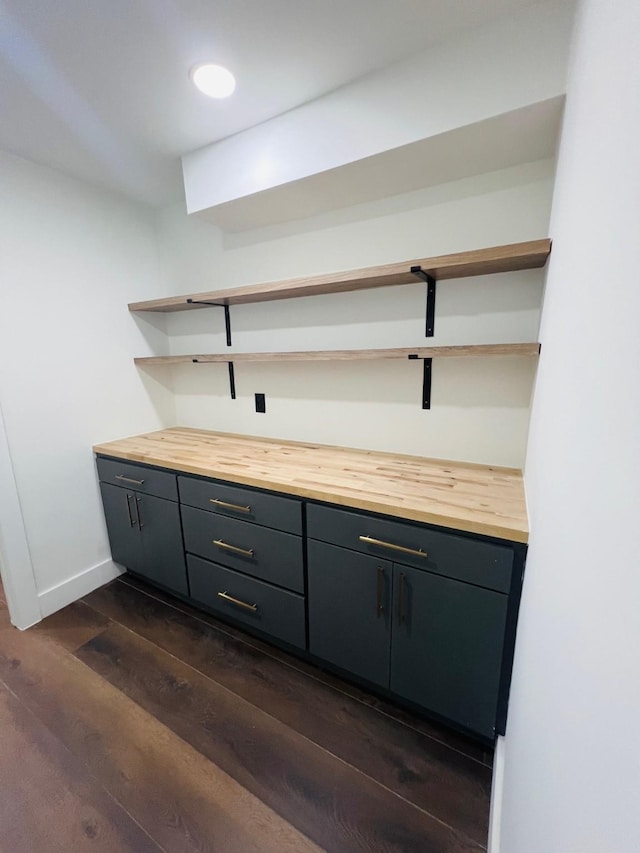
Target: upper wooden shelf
{"x":528,"y":349}
{"x":516,"y":256}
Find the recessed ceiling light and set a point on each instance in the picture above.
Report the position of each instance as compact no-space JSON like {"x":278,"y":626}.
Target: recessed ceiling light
{"x":213,"y":80}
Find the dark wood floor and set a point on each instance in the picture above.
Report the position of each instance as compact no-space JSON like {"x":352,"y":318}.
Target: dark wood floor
{"x":130,"y":722}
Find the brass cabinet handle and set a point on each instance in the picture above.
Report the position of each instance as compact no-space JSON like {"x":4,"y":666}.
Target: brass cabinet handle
{"x":137,"y":505}
{"x":401,"y":599}
{"x":235,"y":507}
{"x":246,"y":552}
{"x":131,"y":518}
{"x":251,"y":607}
{"x":417,"y":552}
{"x":129,"y":480}
{"x":379,"y":589}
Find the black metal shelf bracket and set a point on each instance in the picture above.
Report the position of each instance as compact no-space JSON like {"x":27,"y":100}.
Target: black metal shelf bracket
{"x":227,"y":314}
{"x":431,"y":299}
{"x":426,"y":379}
{"x":232,"y":376}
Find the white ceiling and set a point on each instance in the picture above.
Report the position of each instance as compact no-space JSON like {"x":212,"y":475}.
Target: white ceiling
{"x":99,"y":88}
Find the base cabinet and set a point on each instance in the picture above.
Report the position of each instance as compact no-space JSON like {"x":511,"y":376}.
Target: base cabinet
{"x":425,"y":614}
{"x":145,"y":535}
{"x":432,"y":640}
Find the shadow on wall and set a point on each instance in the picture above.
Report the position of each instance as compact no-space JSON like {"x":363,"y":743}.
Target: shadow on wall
{"x":402,"y":203}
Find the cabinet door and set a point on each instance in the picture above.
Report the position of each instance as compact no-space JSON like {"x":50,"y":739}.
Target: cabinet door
{"x":446,"y":647}
{"x":122,"y":526}
{"x":349,"y":597}
{"x":164,"y":561}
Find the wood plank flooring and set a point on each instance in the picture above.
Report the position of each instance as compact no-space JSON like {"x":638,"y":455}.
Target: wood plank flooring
{"x":132,"y":722}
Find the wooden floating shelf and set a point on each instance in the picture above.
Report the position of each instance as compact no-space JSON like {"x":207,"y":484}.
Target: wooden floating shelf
{"x":509,"y":258}
{"x":528,"y":349}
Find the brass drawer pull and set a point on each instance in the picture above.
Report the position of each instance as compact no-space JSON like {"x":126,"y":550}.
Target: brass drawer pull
{"x":251,"y":607}
{"x":244,"y":551}
{"x":129,"y":480}
{"x":236,"y":507}
{"x":417,"y":552}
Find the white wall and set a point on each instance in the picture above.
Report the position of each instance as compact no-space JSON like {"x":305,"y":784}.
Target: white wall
{"x":16,"y":570}
{"x":71,"y":257}
{"x":480,"y":406}
{"x":572,"y":749}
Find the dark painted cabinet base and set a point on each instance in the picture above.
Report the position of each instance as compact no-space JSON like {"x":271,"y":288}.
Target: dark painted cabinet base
{"x":423,"y":616}
{"x":146,"y":535}
{"x":432,"y":640}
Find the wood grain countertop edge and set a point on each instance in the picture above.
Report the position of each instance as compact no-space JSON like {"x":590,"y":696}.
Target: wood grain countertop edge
{"x":505,"y":529}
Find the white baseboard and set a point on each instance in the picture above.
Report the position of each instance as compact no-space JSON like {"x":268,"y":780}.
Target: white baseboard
{"x":497,"y":791}
{"x":72,"y":589}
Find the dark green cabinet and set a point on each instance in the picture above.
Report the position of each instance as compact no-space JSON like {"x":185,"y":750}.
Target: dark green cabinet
{"x":145,"y":535}
{"x":426,"y":615}
{"x":447,"y":639}
{"x":434,"y":641}
{"x":349,"y":610}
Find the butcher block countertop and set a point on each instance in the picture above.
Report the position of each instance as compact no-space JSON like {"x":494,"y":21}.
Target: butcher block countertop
{"x":474,"y":498}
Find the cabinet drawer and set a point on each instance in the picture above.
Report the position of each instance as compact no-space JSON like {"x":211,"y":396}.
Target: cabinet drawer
{"x":267,"y":554}
{"x":162,"y":484}
{"x":244,"y":504}
{"x":480,"y":563}
{"x":276,"y":612}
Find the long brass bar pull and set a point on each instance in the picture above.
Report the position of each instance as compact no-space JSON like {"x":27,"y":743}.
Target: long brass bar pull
{"x":224,"y":504}
{"x":131,"y":518}
{"x":379,"y":591}
{"x":246,"y":552}
{"x":129,"y":480}
{"x":251,"y":607}
{"x":417,"y":552}
{"x":401,"y":599}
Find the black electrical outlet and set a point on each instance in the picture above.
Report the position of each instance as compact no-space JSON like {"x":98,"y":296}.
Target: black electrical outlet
{"x":261,"y":405}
